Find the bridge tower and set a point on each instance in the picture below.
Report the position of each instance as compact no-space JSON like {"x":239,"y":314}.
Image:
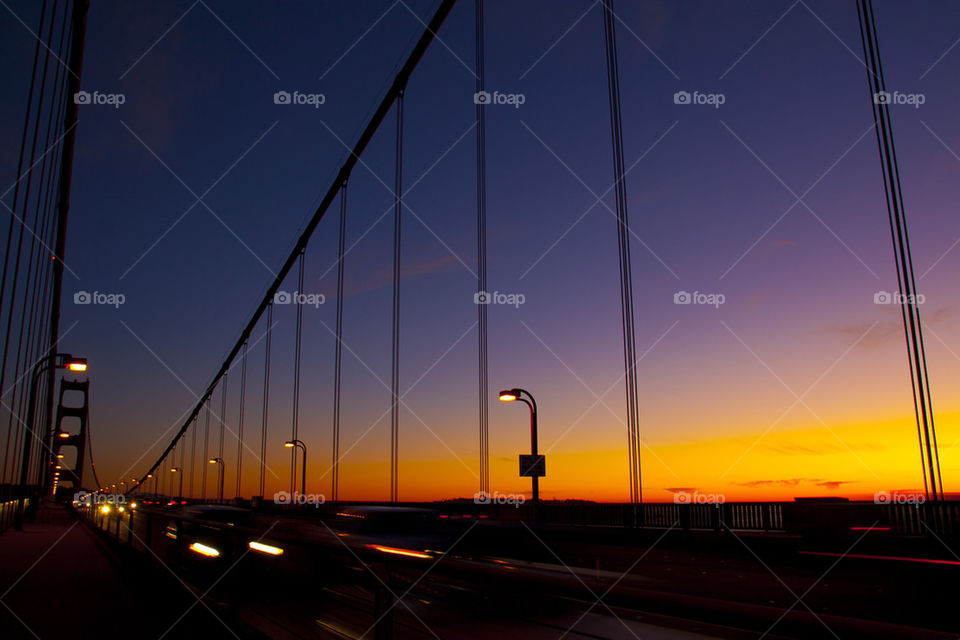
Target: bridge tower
{"x":69,"y":480}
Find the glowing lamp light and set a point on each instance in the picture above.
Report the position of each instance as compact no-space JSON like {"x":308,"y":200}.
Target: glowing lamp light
{"x":63,"y":434}
{"x":399,"y":552}
{"x":105,"y":509}
{"x":265,"y":548}
{"x":204,"y":550}
{"x":77,"y":366}
{"x":508,"y":395}
{"x":288,"y":444}
{"x":133,"y":505}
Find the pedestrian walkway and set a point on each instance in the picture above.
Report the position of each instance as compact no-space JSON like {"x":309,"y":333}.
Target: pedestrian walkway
{"x":58,"y":580}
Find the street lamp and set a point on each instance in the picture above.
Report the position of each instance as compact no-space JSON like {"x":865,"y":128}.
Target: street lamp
{"x":289,"y":444}
{"x":535,"y":468}
{"x":218,"y":461}
{"x":180,"y":492}
{"x":58,"y":361}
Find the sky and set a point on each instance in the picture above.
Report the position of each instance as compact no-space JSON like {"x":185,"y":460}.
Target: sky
{"x":763,"y":196}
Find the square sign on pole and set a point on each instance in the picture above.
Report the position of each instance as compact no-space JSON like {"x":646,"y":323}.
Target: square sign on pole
{"x":533,"y":466}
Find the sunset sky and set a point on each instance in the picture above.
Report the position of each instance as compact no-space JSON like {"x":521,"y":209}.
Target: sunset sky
{"x":797,"y":385}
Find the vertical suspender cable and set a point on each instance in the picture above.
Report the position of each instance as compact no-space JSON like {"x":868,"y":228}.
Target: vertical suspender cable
{"x":626,"y":272}
{"x":338,"y":349}
{"x":298,"y":341}
{"x":183,"y":445}
{"x":266,"y":400}
{"x":243,"y":394}
{"x":223,"y":424}
{"x":395,"y":362}
{"x":206,"y":451}
{"x":906,"y":280}
{"x":482,"y":372}
{"x":193,"y":452}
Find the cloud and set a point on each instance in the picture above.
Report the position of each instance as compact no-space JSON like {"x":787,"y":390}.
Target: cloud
{"x":384,"y":277}
{"x":793,"y":482}
{"x":883,"y":333}
{"x":682,"y":489}
{"x":819,"y":449}
{"x":789,"y":482}
{"x":833,"y":484}
{"x":888,"y":330}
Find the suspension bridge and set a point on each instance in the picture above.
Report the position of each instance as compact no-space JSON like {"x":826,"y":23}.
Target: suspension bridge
{"x":311,"y":561}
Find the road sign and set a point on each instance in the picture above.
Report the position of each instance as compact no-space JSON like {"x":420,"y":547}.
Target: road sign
{"x":533,"y":466}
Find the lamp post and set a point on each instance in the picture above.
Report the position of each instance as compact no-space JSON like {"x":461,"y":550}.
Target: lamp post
{"x":289,"y":444}
{"x":180,"y":491}
{"x":513,"y":395}
{"x":218,"y":461}
{"x":58,"y":361}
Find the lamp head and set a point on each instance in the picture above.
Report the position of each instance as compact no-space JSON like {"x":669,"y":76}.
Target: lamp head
{"x":67,"y":361}
{"x":509,"y":395}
